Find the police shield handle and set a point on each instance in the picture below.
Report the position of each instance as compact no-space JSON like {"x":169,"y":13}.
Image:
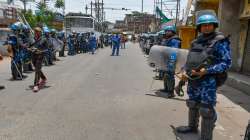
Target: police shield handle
{"x":182,"y":76}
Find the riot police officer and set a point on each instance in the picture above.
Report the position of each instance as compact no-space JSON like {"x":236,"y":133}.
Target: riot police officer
{"x":53,"y":37}
{"x":70,"y":42}
{"x":116,"y":42}
{"x":49,"y":54}
{"x":160,"y":37}
{"x":27,"y":39}
{"x":17,"y":44}
{"x":173,"y":41}
{"x":208,"y":60}
{"x":92,"y":43}
{"x":61,"y":36}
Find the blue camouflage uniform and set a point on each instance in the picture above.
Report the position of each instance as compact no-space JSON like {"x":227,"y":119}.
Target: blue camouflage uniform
{"x":173,"y":42}
{"x":16,"y":62}
{"x":92,"y":43}
{"x":70,"y":42}
{"x":116,"y":40}
{"x":210,"y":51}
{"x":204,"y":91}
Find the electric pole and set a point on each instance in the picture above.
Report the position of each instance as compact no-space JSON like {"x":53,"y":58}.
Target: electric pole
{"x":142,"y":4}
{"x":91,"y":6}
{"x":161,"y":5}
{"x":102,"y":16}
{"x":86,"y":9}
{"x":177,"y":11}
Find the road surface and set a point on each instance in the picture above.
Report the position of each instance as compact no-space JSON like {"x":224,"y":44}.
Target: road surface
{"x":102,"y":97}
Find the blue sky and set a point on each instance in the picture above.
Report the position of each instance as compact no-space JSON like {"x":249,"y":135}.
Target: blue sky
{"x":135,"y":5}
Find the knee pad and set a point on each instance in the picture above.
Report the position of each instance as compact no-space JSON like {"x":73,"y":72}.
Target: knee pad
{"x":208,"y":112}
{"x":192,"y":104}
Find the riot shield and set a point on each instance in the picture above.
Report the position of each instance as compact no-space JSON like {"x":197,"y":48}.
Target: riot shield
{"x":57,"y":44}
{"x":160,"y":55}
{"x":4,"y":50}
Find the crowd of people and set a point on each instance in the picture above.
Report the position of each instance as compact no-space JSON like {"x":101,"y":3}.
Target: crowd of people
{"x":208,"y":60}
{"x":205,"y":71}
{"x":31,"y":49}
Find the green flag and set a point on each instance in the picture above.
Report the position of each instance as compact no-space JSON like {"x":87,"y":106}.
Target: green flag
{"x":164,"y":19}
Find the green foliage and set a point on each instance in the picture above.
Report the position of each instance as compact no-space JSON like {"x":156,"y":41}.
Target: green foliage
{"x":31,"y":18}
{"x":43,"y":16}
{"x":59,"y":4}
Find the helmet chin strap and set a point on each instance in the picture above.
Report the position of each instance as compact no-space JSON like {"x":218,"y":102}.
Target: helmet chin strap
{"x":208,"y":33}
{"x":169,"y":35}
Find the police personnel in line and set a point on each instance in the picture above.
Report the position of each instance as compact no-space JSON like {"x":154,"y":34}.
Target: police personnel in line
{"x":16,"y":43}
{"x":173,"y":41}
{"x":27,"y":39}
{"x":116,"y":42}
{"x":208,"y":61}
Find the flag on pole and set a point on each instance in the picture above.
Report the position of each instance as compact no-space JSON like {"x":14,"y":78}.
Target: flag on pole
{"x":164,"y":19}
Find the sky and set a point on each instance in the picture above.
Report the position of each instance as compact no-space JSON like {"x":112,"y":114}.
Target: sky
{"x":134,"y":5}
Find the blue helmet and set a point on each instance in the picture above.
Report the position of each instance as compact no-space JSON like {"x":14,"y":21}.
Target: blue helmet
{"x":70,"y":35}
{"x":170,"y":28}
{"x":26,"y":27}
{"x":53,"y":30}
{"x":207,"y":19}
{"x":162,"y":32}
{"x":46,"y":30}
{"x":16,"y":26}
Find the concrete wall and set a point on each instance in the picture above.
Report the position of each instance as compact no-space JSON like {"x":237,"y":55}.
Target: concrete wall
{"x":207,"y":5}
{"x":229,"y":13}
{"x":242,"y":41}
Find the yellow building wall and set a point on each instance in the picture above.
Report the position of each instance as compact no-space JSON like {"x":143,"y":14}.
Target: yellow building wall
{"x":187,"y":35}
{"x":246,"y":10}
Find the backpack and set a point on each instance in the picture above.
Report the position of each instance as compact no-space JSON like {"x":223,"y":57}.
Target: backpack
{"x":202,"y":56}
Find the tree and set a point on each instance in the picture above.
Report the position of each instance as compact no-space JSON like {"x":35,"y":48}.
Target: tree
{"x":31,"y":18}
{"x":59,"y":4}
{"x":44,"y":15}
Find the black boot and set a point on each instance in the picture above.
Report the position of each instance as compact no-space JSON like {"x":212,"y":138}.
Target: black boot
{"x":193,"y":122}
{"x":170,"y":94}
{"x":247,"y":135}
{"x":2,"y":87}
{"x":193,"y":118}
{"x":169,"y":84}
{"x":207,"y":123}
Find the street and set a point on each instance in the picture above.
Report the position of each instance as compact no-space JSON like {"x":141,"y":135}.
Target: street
{"x":103,"y":97}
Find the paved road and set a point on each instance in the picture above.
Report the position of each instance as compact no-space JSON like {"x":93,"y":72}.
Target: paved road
{"x":105,"y":98}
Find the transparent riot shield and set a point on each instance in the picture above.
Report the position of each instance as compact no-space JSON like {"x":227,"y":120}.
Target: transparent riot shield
{"x":160,"y":55}
{"x":4,"y":50}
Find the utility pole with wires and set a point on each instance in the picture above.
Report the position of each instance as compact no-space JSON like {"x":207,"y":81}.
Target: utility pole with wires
{"x":161,"y":5}
{"x":170,"y":8}
{"x":102,"y":16}
{"x":177,"y":11}
{"x":86,"y":9}
{"x":91,"y":7}
{"x":142,"y":6}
